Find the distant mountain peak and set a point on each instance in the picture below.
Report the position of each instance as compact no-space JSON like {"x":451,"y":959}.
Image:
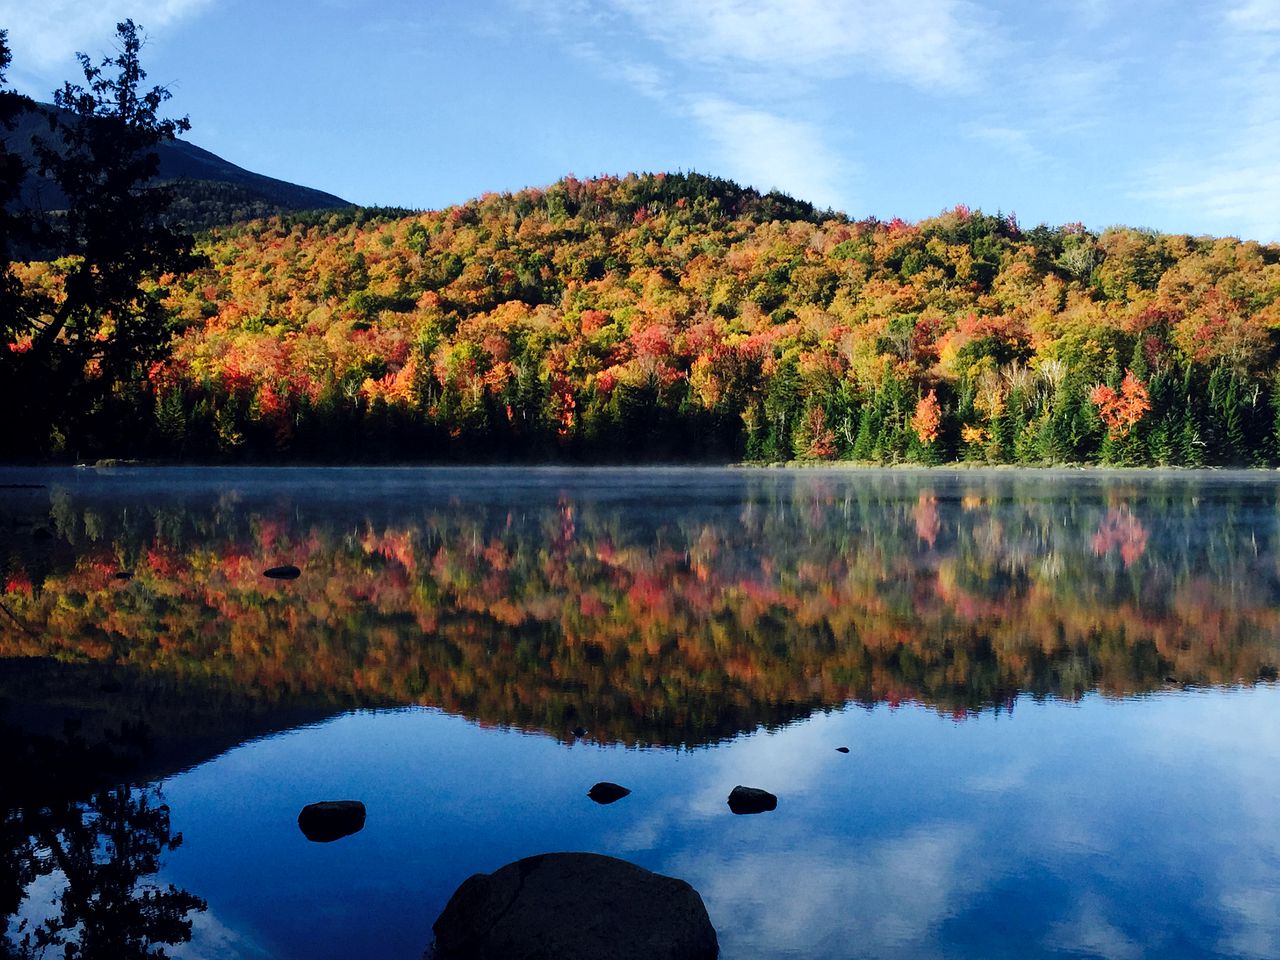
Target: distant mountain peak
{"x":210,"y":191}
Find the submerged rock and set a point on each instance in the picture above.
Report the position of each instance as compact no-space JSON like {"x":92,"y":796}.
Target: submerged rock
{"x":284,"y":572}
{"x":751,"y":800}
{"x":606,"y":792}
{"x":574,"y":906}
{"x":331,"y":820}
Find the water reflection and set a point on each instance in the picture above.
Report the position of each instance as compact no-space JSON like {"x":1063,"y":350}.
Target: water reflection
{"x":670,"y":609}
{"x":78,"y":867}
{"x":689,"y":608}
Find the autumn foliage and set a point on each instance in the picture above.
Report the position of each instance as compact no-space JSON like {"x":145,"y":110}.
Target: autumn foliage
{"x":927,"y":418}
{"x":1121,"y":409}
{"x":680,"y":316}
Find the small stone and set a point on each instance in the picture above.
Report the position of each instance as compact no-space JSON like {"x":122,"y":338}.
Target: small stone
{"x":842,"y":749}
{"x":285,"y":572}
{"x":751,"y":800}
{"x":605,"y":792}
{"x":331,"y":820}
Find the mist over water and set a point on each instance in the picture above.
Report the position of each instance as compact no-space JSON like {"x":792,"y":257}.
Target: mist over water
{"x":1057,"y":689}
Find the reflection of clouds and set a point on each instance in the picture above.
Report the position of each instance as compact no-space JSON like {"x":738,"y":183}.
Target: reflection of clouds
{"x":211,"y":939}
{"x":1236,"y":740}
{"x":1003,"y":779}
{"x":39,"y":904}
{"x":1119,"y":830}
{"x":889,"y":899}
{"x":786,"y":762}
{"x":641,"y":835}
{"x":1255,"y":928}
{"x":1091,"y":934}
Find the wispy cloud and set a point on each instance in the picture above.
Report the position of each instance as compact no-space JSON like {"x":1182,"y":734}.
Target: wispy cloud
{"x":755,"y":75}
{"x":1230,"y":176}
{"x":933,"y":44}
{"x":1256,"y":15}
{"x":45,"y":36}
{"x":1011,"y":141}
{"x":770,"y":151}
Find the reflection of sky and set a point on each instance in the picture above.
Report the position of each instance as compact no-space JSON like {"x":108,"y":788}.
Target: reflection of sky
{"x":1143,"y":828}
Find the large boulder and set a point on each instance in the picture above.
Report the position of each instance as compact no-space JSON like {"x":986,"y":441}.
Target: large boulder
{"x":574,"y":906}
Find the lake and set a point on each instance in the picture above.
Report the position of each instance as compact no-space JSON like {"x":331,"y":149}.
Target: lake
{"x":1057,"y":690}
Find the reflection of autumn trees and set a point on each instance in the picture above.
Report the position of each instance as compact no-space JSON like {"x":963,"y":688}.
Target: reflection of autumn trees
{"x":681,"y":625}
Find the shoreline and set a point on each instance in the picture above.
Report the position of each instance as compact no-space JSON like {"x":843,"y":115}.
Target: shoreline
{"x":798,"y":466}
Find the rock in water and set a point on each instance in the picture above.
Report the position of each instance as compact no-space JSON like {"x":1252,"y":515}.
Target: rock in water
{"x":751,"y":800}
{"x":574,"y":906}
{"x":606,"y":792}
{"x":285,"y":572}
{"x":331,"y":820}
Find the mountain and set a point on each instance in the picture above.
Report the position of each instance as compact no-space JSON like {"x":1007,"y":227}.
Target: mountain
{"x":210,"y":191}
{"x":674,"y":317}
{"x":665,"y":317}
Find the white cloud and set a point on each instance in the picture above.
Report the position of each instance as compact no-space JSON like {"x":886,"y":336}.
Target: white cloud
{"x":929,"y":43}
{"x":756,"y":75}
{"x":45,"y":36}
{"x":770,"y":151}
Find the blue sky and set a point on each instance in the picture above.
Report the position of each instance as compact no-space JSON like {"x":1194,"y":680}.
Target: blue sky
{"x":1154,"y":113}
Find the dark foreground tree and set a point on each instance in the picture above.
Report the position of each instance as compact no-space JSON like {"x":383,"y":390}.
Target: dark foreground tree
{"x":78,"y":380}
{"x":12,"y":223}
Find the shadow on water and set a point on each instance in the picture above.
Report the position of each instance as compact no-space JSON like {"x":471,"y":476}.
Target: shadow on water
{"x":84,"y":829}
{"x":78,"y":860}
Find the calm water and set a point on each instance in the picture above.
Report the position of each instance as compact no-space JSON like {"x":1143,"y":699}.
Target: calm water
{"x":1057,"y":690}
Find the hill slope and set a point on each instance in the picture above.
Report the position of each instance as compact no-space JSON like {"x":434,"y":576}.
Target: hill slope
{"x":210,"y":191}
{"x":682,"y":316}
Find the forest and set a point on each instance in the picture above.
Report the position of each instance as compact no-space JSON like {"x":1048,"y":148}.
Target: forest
{"x":676,"y":317}
{"x":647,"y":317}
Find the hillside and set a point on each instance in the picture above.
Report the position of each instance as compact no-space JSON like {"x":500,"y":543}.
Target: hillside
{"x":681,"y":316}
{"x":210,"y":191}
